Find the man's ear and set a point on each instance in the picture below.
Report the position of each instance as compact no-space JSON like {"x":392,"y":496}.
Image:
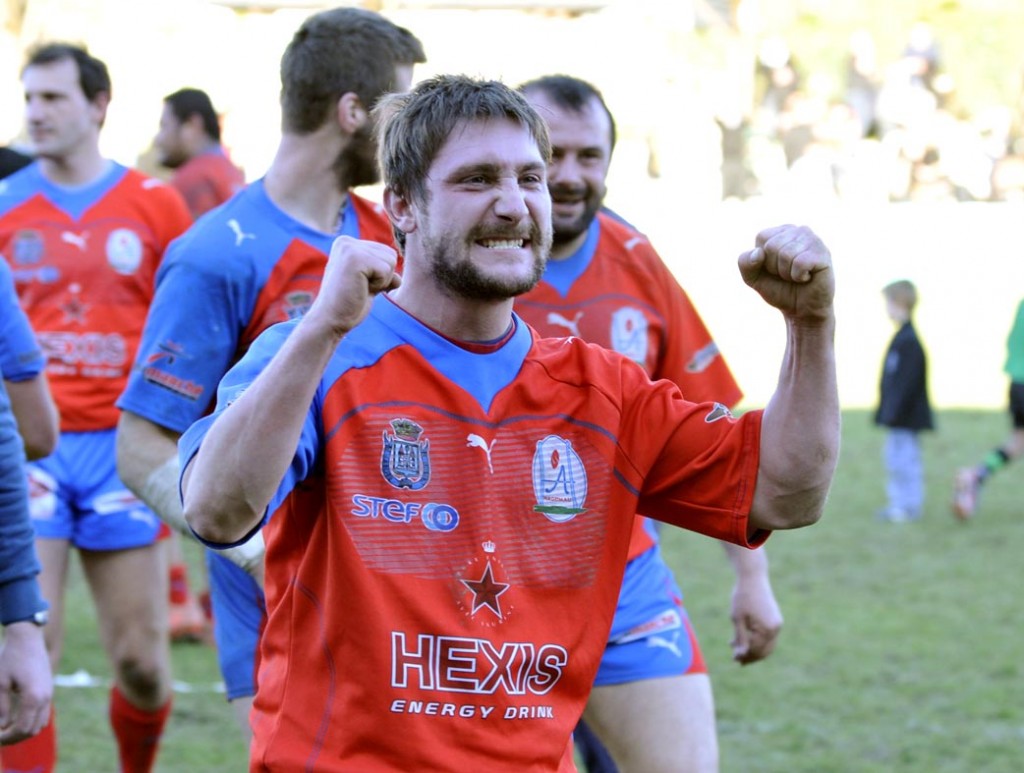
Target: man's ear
{"x":400,"y":211}
{"x":351,"y":113}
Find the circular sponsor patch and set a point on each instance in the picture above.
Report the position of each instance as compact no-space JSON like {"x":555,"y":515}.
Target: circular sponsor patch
{"x":124,"y":250}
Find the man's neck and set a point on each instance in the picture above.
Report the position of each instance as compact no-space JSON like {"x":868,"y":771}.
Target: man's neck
{"x":79,"y":168}
{"x":302,"y":182}
{"x":568,"y":249}
{"x":460,"y":319}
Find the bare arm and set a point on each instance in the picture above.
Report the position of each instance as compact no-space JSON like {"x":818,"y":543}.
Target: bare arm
{"x":36,"y":414}
{"x":229,"y":483}
{"x":792,"y":270}
{"x":756,"y":617}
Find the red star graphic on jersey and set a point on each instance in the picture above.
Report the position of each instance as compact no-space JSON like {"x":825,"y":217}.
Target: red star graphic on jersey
{"x":486,"y":591}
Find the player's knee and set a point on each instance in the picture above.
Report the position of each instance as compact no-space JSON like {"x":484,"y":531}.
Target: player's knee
{"x":142,"y":680}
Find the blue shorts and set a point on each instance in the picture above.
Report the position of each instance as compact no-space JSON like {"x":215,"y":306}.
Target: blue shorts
{"x":75,"y":494}
{"x":651,"y":634}
{"x":239,"y":611}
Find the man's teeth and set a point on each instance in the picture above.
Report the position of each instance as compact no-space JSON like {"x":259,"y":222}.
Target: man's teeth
{"x":502,"y":244}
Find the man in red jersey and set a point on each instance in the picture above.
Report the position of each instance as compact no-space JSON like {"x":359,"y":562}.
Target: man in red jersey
{"x":448,"y":499}
{"x":84,"y":236}
{"x":652,"y":703}
{"x":253,"y":262}
{"x":189,"y":143}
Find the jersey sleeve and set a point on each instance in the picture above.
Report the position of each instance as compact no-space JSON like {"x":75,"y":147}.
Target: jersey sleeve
{"x":699,"y":462}
{"x":191,"y":335}
{"x":21,"y":357}
{"x":231,"y":387}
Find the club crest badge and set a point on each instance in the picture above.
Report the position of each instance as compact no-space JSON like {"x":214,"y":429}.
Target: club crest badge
{"x":629,"y":334}
{"x":405,"y":461}
{"x":559,"y":480}
{"x":124,"y":250}
{"x":28,"y":247}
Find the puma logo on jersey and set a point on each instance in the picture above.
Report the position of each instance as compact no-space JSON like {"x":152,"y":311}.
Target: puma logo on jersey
{"x":76,"y":240}
{"x":240,"y":235}
{"x":634,"y":242}
{"x":718,"y":412}
{"x":475,"y":441}
{"x":572,"y":325}
{"x":663,"y":642}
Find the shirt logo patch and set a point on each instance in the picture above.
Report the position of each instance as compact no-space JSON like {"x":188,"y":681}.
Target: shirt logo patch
{"x":629,"y":334}
{"x":702,"y":358}
{"x":124,"y":250}
{"x":486,"y":592}
{"x":240,"y":235}
{"x":557,"y":319}
{"x":559,"y":480}
{"x":475,"y":441}
{"x":405,"y":460}
{"x":28,"y":247}
{"x":718,"y":412}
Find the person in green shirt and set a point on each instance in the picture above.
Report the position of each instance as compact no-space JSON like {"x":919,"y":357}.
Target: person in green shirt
{"x":970,"y":479}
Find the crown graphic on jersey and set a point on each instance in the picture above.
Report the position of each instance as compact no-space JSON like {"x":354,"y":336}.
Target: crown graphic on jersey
{"x":406,"y":429}
{"x":489,"y":546}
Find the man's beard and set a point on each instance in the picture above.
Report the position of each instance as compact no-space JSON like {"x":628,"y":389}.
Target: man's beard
{"x":357,"y":163}
{"x":466,"y":279}
{"x":566,"y":232}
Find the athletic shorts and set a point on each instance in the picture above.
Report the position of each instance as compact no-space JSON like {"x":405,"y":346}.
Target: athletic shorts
{"x":651,"y":634}
{"x":239,"y":611}
{"x":75,"y":494}
{"x":1017,"y":403}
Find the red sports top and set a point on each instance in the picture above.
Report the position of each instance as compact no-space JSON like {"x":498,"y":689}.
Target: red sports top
{"x":84,"y":262}
{"x":208,"y":180}
{"x":617,"y":292}
{"x":445,"y":554}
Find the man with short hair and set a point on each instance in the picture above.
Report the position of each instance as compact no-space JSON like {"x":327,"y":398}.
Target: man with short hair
{"x":256,"y":261}
{"x":447,"y":499}
{"x":652,"y":705}
{"x":84,"y":236}
{"x":189,"y":143}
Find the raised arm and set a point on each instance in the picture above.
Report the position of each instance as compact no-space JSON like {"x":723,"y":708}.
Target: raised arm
{"x":244,"y":456}
{"x":791,"y":269}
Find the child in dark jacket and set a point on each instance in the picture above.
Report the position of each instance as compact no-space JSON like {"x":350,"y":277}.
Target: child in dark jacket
{"x":903,"y":407}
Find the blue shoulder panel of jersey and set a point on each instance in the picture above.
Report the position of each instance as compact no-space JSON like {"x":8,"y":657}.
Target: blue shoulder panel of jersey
{"x":482,"y":375}
{"x":561,"y":274}
{"x":27,"y":182}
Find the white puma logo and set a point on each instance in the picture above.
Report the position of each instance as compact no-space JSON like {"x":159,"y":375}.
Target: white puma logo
{"x":634,"y":242}
{"x":661,"y":641}
{"x":554,"y":318}
{"x":240,"y":235}
{"x":475,"y":441}
{"x":77,"y":240}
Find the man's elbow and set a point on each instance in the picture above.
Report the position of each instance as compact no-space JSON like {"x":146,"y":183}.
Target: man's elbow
{"x":40,"y":441}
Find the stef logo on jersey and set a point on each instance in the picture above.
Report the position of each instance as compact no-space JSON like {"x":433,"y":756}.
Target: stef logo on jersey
{"x":124,"y":250}
{"x":405,"y":461}
{"x":559,"y":480}
{"x":28,"y":247}
{"x":629,"y":334}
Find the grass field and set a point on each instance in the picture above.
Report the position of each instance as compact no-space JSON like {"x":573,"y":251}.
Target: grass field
{"x":900,"y":654}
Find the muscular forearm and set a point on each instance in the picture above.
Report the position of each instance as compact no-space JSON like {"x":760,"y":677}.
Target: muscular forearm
{"x":248,"y":449}
{"x":799,"y":432}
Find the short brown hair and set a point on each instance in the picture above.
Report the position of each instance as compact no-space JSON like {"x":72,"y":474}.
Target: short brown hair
{"x":336,"y":52}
